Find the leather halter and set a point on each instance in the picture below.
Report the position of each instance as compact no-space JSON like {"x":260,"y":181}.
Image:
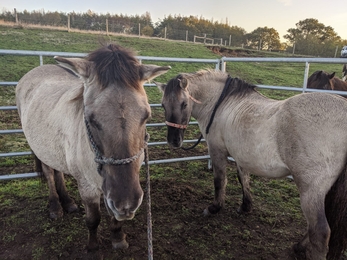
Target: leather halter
{"x":179,"y":126}
{"x":220,"y":100}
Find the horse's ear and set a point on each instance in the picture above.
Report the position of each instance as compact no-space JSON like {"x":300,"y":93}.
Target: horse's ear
{"x":161,"y":86}
{"x":183,"y":83}
{"x":152,"y":71}
{"x":80,"y":67}
{"x":332,"y":75}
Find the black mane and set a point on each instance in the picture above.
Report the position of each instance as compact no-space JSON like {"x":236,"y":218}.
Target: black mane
{"x":114,"y":63}
{"x":239,"y":87}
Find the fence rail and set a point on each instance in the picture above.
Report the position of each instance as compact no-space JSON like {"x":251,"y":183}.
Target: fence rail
{"x":42,"y":54}
{"x":219,"y":64}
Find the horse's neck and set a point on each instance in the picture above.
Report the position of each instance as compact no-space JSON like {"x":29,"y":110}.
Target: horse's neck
{"x":207,"y":93}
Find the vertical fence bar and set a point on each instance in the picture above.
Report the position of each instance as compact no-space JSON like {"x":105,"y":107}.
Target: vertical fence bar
{"x":307,"y":69}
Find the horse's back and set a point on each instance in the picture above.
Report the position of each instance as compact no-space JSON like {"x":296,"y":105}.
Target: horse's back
{"x":48,"y":113}
{"x":314,"y":124}
{"x":44,"y":81}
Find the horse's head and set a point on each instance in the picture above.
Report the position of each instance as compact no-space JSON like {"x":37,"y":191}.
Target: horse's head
{"x":116,"y":109}
{"x":321,"y":80}
{"x":178,"y":105}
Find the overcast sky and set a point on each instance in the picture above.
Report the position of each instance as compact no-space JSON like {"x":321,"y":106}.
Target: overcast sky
{"x":247,"y":14}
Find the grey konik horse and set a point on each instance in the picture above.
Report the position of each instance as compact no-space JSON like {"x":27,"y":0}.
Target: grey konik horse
{"x":304,"y":136}
{"x":87,"y":118}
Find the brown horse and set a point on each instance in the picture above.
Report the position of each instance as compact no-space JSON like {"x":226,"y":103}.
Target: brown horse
{"x":344,"y":72}
{"x":87,"y":118}
{"x":324,"y":80}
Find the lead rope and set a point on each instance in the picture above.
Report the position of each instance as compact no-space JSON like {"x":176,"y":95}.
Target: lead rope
{"x":149,"y":214}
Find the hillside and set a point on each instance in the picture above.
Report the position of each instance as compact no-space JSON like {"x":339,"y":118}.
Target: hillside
{"x":50,"y":40}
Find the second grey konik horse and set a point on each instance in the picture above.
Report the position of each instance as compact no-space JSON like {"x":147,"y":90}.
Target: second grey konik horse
{"x":87,"y":118}
{"x":304,"y":136}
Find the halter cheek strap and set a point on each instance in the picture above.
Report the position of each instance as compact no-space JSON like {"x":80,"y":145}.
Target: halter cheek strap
{"x":195,"y":100}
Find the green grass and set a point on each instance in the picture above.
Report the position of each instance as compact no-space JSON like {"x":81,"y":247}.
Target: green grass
{"x":276,"y":201}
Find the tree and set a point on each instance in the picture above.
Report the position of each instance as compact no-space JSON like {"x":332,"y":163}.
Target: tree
{"x":147,"y":30}
{"x":313,"y":38}
{"x":264,"y":38}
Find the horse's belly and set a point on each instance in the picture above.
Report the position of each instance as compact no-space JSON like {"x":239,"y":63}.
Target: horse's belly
{"x":265,"y":166}
{"x":271,"y":172}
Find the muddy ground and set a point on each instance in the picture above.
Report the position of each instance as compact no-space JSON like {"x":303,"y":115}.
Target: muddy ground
{"x":179,"y":193}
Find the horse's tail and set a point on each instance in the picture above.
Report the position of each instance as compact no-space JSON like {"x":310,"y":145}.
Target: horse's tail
{"x":336,"y":213}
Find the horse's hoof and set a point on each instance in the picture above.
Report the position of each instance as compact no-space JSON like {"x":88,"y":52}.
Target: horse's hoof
{"x":244,"y":210}
{"x":212,"y":210}
{"x":54,"y":215}
{"x":120,"y":245}
{"x":299,"y":251}
{"x":206,"y":213}
{"x":71,"y":208}
{"x":92,"y":248}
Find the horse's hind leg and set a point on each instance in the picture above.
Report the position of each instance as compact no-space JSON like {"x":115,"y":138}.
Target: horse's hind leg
{"x":318,"y":231}
{"x":65,"y":200}
{"x":55,"y":209}
{"x":244,"y":178}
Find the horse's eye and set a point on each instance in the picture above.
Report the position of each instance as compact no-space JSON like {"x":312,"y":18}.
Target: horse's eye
{"x":94,"y":123}
{"x":183,"y":105}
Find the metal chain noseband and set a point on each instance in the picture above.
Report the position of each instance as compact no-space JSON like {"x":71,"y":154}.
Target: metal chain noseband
{"x":102,"y":160}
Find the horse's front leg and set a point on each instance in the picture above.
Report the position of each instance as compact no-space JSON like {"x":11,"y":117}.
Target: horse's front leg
{"x":219,"y":162}
{"x":118,"y":238}
{"x":93,"y":217}
{"x":244,"y":179}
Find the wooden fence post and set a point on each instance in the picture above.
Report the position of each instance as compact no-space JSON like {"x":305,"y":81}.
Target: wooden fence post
{"x":107,"y":27}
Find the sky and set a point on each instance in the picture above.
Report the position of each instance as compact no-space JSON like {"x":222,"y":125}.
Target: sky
{"x":247,"y":14}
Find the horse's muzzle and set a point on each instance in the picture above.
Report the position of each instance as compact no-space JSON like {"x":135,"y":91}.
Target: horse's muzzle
{"x":126,"y":213}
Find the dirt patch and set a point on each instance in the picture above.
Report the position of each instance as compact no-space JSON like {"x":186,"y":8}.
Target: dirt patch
{"x":232,"y":52}
{"x":179,"y":193}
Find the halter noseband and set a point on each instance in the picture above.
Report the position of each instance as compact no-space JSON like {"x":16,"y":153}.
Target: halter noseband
{"x":102,"y":160}
{"x":176,"y":125}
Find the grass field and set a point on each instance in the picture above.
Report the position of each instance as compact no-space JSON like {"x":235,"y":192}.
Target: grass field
{"x":180,"y":190}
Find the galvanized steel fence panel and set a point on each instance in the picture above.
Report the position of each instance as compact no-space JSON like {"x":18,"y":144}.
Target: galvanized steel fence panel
{"x":219,"y":64}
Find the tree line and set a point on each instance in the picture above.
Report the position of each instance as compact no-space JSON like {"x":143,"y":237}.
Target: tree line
{"x":309,"y":37}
